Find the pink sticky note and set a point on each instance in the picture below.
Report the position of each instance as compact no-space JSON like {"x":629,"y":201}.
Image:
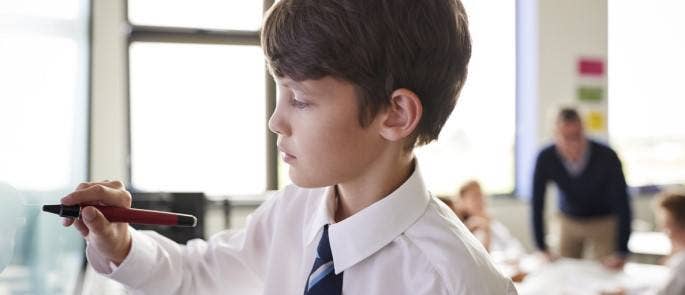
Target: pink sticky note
{"x":590,"y":67}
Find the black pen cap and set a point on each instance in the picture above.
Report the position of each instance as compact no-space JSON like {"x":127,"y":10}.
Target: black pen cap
{"x":186,"y":220}
{"x":64,"y":211}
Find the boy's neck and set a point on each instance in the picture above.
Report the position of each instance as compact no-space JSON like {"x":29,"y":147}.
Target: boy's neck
{"x":378,"y":182}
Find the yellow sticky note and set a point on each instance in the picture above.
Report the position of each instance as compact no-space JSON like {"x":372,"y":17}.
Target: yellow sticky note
{"x":595,"y":121}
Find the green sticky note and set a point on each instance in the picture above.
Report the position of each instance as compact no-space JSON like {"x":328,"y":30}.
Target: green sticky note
{"x":586,"y":93}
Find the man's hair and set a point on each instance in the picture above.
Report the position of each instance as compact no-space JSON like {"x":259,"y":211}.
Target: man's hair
{"x":674,"y":204}
{"x":377,"y":45}
{"x":568,"y":115}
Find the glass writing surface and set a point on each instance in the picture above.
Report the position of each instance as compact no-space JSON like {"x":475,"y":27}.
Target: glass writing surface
{"x":43,"y":141}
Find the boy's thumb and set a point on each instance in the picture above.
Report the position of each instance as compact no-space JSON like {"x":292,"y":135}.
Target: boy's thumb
{"x":93,"y":218}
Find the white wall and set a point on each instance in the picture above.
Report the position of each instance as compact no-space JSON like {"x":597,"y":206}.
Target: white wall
{"x":563,"y":32}
{"x":568,"y":30}
{"x":109,"y":131}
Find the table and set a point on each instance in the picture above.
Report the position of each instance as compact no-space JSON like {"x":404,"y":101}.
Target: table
{"x":580,"y":277}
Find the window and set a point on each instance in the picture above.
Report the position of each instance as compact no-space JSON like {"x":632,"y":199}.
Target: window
{"x":646,"y":105}
{"x":43,"y":126}
{"x":199,"y":98}
{"x":242,"y":15}
{"x":477,"y":142}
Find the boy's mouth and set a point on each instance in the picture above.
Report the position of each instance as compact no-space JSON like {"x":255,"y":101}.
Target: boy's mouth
{"x":287,"y":157}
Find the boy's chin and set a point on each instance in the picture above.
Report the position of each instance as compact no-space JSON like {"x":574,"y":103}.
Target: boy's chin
{"x":308,"y":181}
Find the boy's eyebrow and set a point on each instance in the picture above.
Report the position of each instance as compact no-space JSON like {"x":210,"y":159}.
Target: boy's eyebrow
{"x":286,"y":83}
{"x":293,"y":85}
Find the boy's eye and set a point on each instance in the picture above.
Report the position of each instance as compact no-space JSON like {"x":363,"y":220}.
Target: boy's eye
{"x":298,"y":103}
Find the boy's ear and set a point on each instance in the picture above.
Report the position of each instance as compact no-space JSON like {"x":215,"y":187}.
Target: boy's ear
{"x":402,"y":116}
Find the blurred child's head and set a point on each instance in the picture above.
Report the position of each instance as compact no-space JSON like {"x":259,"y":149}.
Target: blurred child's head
{"x":356,"y":75}
{"x":471,"y":197}
{"x":671,"y":212}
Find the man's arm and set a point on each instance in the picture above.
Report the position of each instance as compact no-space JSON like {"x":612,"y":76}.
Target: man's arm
{"x":618,"y":190}
{"x":540,"y":178}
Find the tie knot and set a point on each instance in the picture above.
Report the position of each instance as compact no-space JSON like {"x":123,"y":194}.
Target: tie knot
{"x":324,"y":249}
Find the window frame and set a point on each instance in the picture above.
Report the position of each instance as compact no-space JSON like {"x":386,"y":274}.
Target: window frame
{"x":183,"y":35}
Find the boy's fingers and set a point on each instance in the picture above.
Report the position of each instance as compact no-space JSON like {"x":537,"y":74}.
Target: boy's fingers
{"x":99,"y":193}
{"x":82,"y":228}
{"x":115,"y":184}
{"x":96,"y":222}
{"x":67,"y":221}
{"x":84,"y":185}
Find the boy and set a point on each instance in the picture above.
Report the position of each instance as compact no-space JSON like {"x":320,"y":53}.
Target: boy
{"x":671,"y":212}
{"x":471,"y":208}
{"x":360,"y":83}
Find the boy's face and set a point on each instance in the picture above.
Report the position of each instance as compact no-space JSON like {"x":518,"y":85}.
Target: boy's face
{"x":319,"y":134}
{"x":670,"y":226}
{"x":474,"y":201}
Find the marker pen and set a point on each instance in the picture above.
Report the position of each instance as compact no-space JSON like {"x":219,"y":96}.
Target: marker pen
{"x":130,"y":215}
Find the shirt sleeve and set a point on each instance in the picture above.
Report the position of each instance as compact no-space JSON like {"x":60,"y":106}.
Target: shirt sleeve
{"x":504,"y":241}
{"x":231,"y":262}
{"x":540,"y":179}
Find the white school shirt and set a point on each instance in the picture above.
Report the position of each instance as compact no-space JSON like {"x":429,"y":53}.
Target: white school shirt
{"x":406,"y":243}
{"x":675,"y":285}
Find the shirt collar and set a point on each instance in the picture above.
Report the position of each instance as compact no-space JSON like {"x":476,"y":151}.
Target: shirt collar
{"x":323,"y":214}
{"x":364,"y":233}
{"x":576,"y":168}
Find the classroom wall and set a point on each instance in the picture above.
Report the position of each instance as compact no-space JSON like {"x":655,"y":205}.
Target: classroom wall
{"x":565,"y":31}
{"x":109,"y":130}
{"x":568,"y":31}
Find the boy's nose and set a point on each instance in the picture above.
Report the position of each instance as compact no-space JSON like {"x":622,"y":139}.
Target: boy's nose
{"x":276,"y":123}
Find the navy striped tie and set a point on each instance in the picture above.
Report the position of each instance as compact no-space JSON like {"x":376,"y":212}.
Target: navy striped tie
{"x":322,"y":279}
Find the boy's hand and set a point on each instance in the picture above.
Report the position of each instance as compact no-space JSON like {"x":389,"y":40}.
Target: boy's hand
{"x":548,"y":256}
{"x":478,"y":222}
{"x":111,"y":239}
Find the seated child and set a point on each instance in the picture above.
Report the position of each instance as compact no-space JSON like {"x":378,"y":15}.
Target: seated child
{"x":471,"y":207}
{"x":671,"y":213}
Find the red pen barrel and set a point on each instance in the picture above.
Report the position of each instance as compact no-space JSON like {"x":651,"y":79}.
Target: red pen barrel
{"x":141,"y":216}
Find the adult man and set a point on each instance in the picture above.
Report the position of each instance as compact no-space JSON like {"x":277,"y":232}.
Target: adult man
{"x":593,"y":200}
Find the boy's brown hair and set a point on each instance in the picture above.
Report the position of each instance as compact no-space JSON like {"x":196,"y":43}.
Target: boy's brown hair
{"x":379,"y":46}
{"x":674,"y":204}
